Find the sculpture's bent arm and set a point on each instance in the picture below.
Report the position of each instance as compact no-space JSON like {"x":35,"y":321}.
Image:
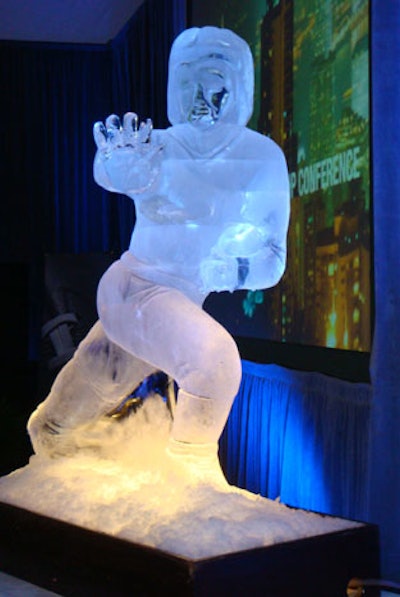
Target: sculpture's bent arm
{"x":251,"y":253}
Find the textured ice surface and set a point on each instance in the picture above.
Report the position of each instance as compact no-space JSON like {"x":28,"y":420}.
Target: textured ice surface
{"x":212,"y":210}
{"x":208,"y":191}
{"x":132,"y":490}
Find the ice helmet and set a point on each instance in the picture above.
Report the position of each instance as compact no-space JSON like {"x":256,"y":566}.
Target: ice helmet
{"x":229,"y":53}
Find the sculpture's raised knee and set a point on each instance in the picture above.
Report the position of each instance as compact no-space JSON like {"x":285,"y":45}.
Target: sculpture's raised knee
{"x":219,"y":369}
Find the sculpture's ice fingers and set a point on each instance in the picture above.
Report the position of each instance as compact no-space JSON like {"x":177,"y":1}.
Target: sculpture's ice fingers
{"x":113,"y":122}
{"x":130,"y":126}
{"x":130,"y":121}
{"x":100,"y":136}
{"x":145,"y":130}
{"x":114,"y":129}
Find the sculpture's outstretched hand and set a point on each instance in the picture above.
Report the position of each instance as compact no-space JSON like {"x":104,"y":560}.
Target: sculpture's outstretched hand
{"x":126,"y":160}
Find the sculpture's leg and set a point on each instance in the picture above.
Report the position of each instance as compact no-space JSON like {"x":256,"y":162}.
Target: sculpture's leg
{"x":194,"y":441}
{"x":92,"y":383}
{"x":162,"y":326}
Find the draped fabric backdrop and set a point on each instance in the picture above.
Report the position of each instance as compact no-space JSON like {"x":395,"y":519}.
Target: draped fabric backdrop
{"x":303,"y":437}
{"x":51,"y":96}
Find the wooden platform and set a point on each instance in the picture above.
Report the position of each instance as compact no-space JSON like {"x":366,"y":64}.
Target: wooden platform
{"x":70,"y":560}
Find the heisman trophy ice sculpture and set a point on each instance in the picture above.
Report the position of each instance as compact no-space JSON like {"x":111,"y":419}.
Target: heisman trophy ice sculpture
{"x":212,"y":211}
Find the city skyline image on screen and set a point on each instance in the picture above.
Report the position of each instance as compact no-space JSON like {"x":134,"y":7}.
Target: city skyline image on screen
{"x":312,"y":98}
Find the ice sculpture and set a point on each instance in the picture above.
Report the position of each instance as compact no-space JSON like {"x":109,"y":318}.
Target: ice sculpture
{"x":212,"y":210}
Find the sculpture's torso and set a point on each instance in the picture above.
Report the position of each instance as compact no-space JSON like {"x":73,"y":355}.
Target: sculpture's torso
{"x":200,"y":194}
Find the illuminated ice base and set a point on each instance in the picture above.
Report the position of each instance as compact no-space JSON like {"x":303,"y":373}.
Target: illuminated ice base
{"x":132,"y":491}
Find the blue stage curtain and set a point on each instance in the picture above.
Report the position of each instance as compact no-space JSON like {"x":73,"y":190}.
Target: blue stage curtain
{"x":301,"y":437}
{"x":385,"y":420}
{"x":51,"y":96}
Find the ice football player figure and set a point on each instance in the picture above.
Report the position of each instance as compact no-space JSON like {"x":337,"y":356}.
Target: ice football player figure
{"x":212,"y":212}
